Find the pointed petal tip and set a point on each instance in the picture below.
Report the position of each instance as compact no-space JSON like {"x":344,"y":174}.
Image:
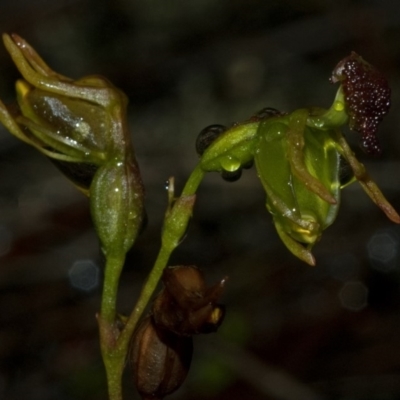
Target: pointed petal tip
{"x":12,"y":41}
{"x":18,"y":40}
{"x":311,"y":263}
{"x":395,"y":218}
{"x":6,"y":38}
{"x":309,"y":259}
{"x":223,"y":281}
{"x":390,"y":212}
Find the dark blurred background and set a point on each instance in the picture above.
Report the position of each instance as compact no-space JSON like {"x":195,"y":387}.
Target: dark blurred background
{"x":292,"y":332}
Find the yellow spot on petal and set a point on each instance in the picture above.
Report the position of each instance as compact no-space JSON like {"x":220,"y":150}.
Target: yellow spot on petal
{"x":216,"y":315}
{"x":23,"y":88}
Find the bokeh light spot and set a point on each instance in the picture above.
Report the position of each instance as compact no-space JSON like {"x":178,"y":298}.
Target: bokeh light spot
{"x":383,"y":250}
{"x":84,"y":275}
{"x":354,"y":296}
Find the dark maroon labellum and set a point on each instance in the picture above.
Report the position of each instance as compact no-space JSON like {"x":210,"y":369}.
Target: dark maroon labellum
{"x":187,"y":306}
{"x":367,"y":96}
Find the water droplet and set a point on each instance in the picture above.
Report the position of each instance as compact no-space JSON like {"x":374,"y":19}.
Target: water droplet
{"x":230,"y":163}
{"x":166,"y":185}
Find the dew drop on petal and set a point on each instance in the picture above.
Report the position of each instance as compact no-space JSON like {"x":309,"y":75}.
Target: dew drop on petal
{"x":230,"y":163}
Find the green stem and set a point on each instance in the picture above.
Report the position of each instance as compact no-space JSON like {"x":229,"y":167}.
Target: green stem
{"x":333,"y":118}
{"x":114,"y":370}
{"x":193,"y":182}
{"x":115,"y":344}
{"x":144,"y":297}
{"x":154,"y":277}
{"x":110,"y":288}
{"x":107,"y":327}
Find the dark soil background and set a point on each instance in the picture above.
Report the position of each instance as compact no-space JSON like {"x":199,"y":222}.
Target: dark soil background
{"x":292,"y":332}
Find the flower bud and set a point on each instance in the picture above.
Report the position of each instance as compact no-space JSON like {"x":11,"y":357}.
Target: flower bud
{"x":176,"y":220}
{"x":160,"y":360}
{"x":81,"y":126}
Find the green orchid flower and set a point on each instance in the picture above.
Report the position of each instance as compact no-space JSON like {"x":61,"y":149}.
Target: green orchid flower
{"x":298,"y":156}
{"x":81,"y":126}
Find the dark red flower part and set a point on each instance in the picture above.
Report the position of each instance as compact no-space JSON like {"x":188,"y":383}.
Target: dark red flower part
{"x":187,"y":306}
{"x":367,"y":96}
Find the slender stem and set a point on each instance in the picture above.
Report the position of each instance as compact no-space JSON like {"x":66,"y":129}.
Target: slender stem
{"x":144,"y":297}
{"x":115,"y":344}
{"x":335,"y":117}
{"x":153,"y":278}
{"x":110,"y":288}
{"x":113,"y":361}
{"x":114,"y":372}
{"x":193,"y":182}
